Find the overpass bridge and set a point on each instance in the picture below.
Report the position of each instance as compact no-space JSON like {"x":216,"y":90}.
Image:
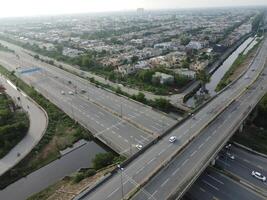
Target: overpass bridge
{"x":166,"y":171}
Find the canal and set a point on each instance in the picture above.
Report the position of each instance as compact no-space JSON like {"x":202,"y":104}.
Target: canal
{"x":220,"y":72}
{"x":53,"y":172}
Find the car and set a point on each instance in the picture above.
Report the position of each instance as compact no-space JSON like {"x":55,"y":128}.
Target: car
{"x":62,"y":92}
{"x":228,"y":146}
{"x":231,"y":156}
{"x":172,"y":139}
{"x":70,"y":93}
{"x":139,"y":146}
{"x":258,"y":175}
{"x":246,"y":77}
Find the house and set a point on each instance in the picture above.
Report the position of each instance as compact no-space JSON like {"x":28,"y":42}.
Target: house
{"x":194,"y":45}
{"x":126,"y":69}
{"x":162,"y":78}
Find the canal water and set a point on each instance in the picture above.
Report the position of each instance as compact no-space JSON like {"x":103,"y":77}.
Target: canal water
{"x":220,"y":72}
{"x":51,"y":173}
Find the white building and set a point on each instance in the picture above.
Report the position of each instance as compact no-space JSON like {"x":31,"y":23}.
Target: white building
{"x":163,"y":78}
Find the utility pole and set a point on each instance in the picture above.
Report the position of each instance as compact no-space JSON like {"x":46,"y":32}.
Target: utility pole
{"x":122,"y":192}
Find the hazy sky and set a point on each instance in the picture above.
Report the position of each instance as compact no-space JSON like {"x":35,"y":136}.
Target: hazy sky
{"x":46,"y":7}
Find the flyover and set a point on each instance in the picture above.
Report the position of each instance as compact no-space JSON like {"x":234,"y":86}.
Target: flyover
{"x":208,"y":129}
{"x":174,"y":179}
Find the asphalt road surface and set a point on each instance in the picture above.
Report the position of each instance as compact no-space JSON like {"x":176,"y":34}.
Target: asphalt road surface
{"x":212,"y":185}
{"x":159,"y":155}
{"x":38,"y":123}
{"x":190,"y":162}
{"x":242,"y":166}
{"x":116,"y":121}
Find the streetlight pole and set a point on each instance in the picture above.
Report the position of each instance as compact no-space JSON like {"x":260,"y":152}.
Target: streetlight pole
{"x":122,"y":192}
{"x":121,"y":110}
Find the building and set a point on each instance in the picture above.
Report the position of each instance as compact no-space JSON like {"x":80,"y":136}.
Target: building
{"x":163,"y":78}
{"x":126,"y":69}
{"x":194,"y":45}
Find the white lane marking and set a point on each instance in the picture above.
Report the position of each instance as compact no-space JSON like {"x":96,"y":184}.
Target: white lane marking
{"x":113,"y":192}
{"x":193,"y":153}
{"x":161,"y":151}
{"x":144,"y":138}
{"x":101,"y":113}
{"x":202,"y":189}
{"x":210,"y":185}
{"x":165,"y":182}
{"x":185,"y":162}
{"x":214,"y":132}
{"x":200,"y":146}
{"x":215,"y":179}
{"x":175,"y":171}
{"x":207,"y":139}
{"x":139,"y":170}
{"x":151,"y":161}
{"x":152,"y":195}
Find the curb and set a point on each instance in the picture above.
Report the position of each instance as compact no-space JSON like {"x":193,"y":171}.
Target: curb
{"x":250,"y":150}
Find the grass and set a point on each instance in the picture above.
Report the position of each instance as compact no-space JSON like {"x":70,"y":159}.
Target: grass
{"x":62,"y":132}
{"x":14,"y":125}
{"x":241,"y":62}
{"x":67,"y":188}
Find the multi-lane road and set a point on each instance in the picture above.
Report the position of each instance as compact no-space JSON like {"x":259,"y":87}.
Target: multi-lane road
{"x":118,"y":122}
{"x":213,"y":185}
{"x":242,"y":166}
{"x":175,"y":179}
{"x":187,"y":163}
{"x":51,"y":81}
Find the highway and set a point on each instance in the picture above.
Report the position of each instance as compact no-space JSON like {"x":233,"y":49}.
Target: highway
{"x":118,"y":122}
{"x":151,"y":162}
{"x":188,"y":164}
{"x":242,"y":166}
{"x":212,"y":185}
{"x":38,"y":124}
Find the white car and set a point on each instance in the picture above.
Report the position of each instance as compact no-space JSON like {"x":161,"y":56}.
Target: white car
{"x":231,"y":156}
{"x":139,"y":146}
{"x":228,"y":146}
{"x":172,"y":139}
{"x":62,"y":92}
{"x":258,"y":175}
{"x":70,"y":93}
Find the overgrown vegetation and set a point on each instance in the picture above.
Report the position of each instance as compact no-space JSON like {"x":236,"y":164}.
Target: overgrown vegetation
{"x":14,"y":124}
{"x":254,"y":135}
{"x":226,"y":80}
{"x":61,"y":133}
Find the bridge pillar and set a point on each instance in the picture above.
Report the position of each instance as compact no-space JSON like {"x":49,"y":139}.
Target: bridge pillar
{"x":240,"y":130}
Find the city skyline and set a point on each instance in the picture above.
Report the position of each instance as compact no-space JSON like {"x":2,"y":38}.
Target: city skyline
{"x":49,"y":7}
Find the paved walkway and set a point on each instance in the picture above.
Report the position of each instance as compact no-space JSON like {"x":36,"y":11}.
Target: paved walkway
{"x":38,"y":123}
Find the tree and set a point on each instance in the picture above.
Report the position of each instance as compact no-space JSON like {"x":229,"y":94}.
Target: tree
{"x":140,"y":97}
{"x":163,"y":104}
{"x":134,"y":59}
{"x":184,"y":40}
{"x":102,"y":160}
{"x":204,"y":78}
